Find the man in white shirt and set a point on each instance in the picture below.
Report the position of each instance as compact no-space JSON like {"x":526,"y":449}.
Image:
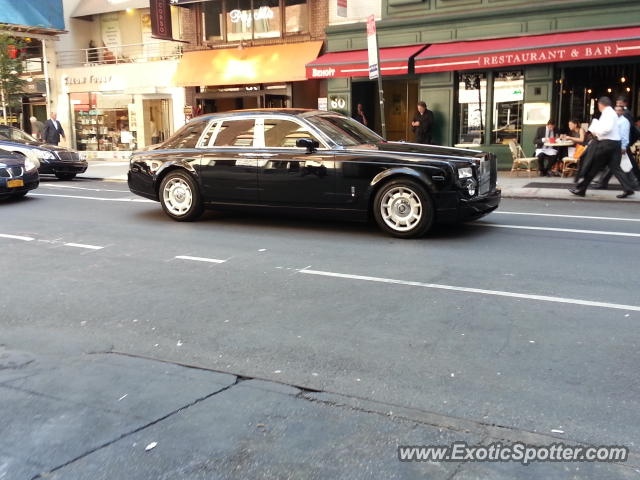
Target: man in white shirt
{"x":608,"y":147}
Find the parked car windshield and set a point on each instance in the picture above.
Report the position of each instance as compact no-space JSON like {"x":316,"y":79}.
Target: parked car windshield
{"x":15,"y":135}
{"x":345,"y":131}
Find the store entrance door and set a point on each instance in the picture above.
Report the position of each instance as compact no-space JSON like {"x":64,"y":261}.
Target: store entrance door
{"x":157,"y":120}
{"x":401,"y":97}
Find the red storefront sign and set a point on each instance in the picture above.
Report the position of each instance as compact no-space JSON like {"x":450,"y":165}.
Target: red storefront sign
{"x":516,"y":51}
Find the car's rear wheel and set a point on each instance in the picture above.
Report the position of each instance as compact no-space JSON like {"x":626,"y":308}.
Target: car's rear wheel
{"x":403,"y":208}
{"x":180,"y":197}
{"x":65,"y":175}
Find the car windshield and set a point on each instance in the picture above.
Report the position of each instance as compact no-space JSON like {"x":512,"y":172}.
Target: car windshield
{"x":345,"y":131}
{"x":16,"y":135}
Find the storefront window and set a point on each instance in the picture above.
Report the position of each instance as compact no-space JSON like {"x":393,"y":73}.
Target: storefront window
{"x":238,"y":20}
{"x":103,"y":121}
{"x":296,"y":16}
{"x":472,"y":98}
{"x":508,"y":97}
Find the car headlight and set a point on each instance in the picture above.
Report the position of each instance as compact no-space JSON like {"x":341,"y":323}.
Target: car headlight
{"x":30,"y":165}
{"x":45,"y":154}
{"x":465,"y":172}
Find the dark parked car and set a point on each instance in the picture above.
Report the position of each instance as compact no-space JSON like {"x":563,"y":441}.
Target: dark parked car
{"x":18,"y":175}
{"x":293,"y":160}
{"x":64,"y":163}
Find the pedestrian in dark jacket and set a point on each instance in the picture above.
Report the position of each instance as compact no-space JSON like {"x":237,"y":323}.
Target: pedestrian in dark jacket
{"x":52,"y":130}
{"x":423,"y":124}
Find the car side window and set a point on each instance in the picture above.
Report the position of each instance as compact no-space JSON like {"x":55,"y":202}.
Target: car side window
{"x":235,"y":133}
{"x":284,"y":133}
{"x":187,"y":136}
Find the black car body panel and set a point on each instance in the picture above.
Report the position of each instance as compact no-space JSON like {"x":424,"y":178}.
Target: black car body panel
{"x":51,"y":158}
{"x":13,"y":170}
{"x":339,"y":179}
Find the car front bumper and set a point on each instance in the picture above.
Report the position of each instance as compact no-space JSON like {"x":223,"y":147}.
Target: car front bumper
{"x":31,"y":181}
{"x":455,"y":208}
{"x":60,"y":166}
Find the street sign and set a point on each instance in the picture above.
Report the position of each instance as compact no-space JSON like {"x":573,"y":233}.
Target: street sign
{"x":372,"y":47}
{"x":342,"y":8}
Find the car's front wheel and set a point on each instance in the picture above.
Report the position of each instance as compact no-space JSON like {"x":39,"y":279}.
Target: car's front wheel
{"x":65,"y":175}
{"x":403,"y":208}
{"x":180,"y":197}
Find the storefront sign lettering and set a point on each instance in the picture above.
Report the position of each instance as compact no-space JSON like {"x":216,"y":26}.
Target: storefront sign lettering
{"x":89,"y":79}
{"x":323,"y":72}
{"x":530,"y":56}
{"x":248,"y":17}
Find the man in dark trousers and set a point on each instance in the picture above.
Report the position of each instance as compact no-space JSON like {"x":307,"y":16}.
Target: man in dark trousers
{"x":607,"y":143}
{"x":634,"y":136}
{"x":547,"y":156}
{"x":422,"y":124}
{"x":52,"y":130}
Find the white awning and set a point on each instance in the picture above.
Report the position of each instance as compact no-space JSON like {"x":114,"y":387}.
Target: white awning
{"x":94,"y":7}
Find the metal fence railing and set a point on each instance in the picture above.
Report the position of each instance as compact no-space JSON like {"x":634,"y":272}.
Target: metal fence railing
{"x":132,"y":53}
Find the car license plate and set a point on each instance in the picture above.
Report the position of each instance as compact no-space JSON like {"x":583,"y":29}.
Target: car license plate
{"x":15,"y":183}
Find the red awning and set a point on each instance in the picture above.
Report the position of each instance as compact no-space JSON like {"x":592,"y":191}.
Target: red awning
{"x":355,"y":63}
{"x":557,"y":47}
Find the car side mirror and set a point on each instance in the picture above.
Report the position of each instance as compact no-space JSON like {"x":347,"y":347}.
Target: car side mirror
{"x":310,"y":144}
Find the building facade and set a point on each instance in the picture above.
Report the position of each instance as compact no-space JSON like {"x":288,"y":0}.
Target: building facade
{"x":37,"y":31}
{"x":251,"y":53}
{"x":115,"y":81}
{"x":492,"y":71}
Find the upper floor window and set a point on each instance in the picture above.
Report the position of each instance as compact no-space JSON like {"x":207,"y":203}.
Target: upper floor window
{"x":239,"y":20}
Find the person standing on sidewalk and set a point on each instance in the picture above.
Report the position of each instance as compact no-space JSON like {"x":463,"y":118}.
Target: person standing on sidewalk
{"x":52,"y":130}
{"x":422,"y":124}
{"x":608,"y":149}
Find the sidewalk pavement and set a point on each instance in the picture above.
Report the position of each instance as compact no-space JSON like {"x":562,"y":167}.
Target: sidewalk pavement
{"x":108,"y":415}
{"x":521,"y":186}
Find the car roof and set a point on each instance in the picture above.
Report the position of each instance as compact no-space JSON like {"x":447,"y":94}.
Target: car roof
{"x":262,"y":111}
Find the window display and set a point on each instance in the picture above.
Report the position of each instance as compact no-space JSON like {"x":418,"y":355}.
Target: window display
{"x":472,"y":98}
{"x":508,"y":98}
{"x":102,"y":121}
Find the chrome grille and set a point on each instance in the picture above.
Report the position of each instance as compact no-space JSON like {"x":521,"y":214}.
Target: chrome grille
{"x":10,"y":172}
{"x":484,"y":174}
{"x":68,"y":156}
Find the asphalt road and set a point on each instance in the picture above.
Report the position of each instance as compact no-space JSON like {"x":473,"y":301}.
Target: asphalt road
{"x":526,"y":319}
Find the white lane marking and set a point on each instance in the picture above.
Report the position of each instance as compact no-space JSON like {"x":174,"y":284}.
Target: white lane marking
{"x":132,"y":200}
{"x":553,"y":229}
{"x":53,"y":185}
{"x":16,"y":237}
{"x":543,"y":298}
{"x":557,"y":215}
{"x":199,"y":259}
{"x":83,"y":245}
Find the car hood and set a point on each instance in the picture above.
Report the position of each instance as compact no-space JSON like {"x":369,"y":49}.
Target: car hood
{"x":417,"y":150}
{"x":44,"y":146}
{"x":9,"y":160}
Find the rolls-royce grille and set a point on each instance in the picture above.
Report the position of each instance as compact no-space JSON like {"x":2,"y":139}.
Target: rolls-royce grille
{"x":487,"y":173}
{"x":11,"y":172}
{"x":68,"y":156}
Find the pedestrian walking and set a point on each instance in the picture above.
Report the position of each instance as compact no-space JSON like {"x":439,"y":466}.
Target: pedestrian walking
{"x":36,"y":127}
{"x":547,"y":156}
{"x":607,"y":143}
{"x":52,"y":130}
{"x":360,"y":116}
{"x":634,"y":136}
{"x":423,"y":124}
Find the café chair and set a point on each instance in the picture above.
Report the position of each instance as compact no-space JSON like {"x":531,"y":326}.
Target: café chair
{"x":570,"y":164}
{"x":520,"y":160}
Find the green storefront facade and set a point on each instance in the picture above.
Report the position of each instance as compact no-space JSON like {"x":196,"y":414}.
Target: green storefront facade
{"x":567,"y":86}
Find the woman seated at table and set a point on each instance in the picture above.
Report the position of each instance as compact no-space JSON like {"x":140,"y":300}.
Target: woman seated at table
{"x":576,"y":135}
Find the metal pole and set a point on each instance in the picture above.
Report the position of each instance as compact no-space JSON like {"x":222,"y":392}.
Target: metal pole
{"x":4,"y":105}
{"x":46,"y":76}
{"x":383,"y":122}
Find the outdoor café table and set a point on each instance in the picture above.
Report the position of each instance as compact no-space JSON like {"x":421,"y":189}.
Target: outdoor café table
{"x":559,"y":143}
{"x":472,"y":146}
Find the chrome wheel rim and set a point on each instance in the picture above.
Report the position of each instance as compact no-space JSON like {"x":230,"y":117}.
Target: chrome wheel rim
{"x":401,"y":209}
{"x":177,"y":196}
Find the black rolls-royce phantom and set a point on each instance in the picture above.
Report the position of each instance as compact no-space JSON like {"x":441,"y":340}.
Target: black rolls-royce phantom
{"x":313,"y":161}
